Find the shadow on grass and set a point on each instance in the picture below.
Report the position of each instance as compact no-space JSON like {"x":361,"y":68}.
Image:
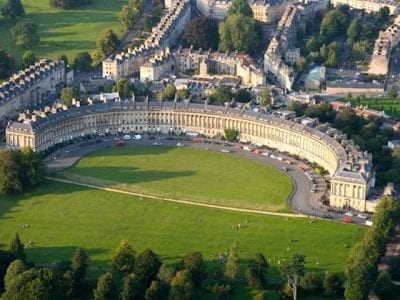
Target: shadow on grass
{"x":120,"y":175}
{"x":132,"y":150}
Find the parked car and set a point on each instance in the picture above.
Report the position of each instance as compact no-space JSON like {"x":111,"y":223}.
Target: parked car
{"x":362,"y":216}
{"x":225,"y":151}
{"x":157,"y":144}
{"x":180,"y":145}
{"x":127,"y":137}
{"x":349,"y":214}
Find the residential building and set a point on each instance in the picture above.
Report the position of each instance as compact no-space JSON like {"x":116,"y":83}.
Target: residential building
{"x":165,"y":34}
{"x":370,"y":6}
{"x":29,"y":87}
{"x":350,"y":169}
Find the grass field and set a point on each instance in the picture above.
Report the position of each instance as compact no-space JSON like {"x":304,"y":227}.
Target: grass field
{"x":62,"y":217}
{"x":186,"y":173}
{"x":64,"y":31}
{"x":390,"y":106}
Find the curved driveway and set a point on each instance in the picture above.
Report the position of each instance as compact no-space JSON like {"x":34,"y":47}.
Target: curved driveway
{"x":301,"y":201}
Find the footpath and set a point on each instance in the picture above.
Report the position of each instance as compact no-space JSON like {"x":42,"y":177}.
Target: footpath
{"x":119,"y":191}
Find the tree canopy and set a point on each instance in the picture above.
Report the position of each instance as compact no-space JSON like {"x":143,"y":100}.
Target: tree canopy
{"x":29,"y":58}
{"x":240,"y":33}
{"x":26,"y":33}
{"x":20,"y":170}
{"x":240,"y":7}
{"x":83,"y":62}
{"x":202,"y":33}
{"x":67,"y":94}
{"x":7,"y":64}
{"x":12,"y":9}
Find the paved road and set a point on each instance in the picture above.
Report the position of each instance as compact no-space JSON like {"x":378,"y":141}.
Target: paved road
{"x":302,"y":201}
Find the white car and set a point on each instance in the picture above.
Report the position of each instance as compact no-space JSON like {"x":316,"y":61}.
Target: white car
{"x":180,"y":145}
{"x":279,"y":158}
{"x":157,"y":144}
{"x":349,"y":214}
{"x":225,"y":150}
{"x":362,"y":216}
{"x":127,"y":137}
{"x":137,"y":137}
{"x":265,"y":153}
{"x":246,"y":148}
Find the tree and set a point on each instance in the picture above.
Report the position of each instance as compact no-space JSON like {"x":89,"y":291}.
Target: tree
{"x":123,"y":262}
{"x":107,"y":42}
{"x":297,"y":107}
{"x":64,"y":58}
{"x":293,"y":270}
{"x":83,"y":62}
{"x":42,"y":283}
{"x":221,"y":94}
{"x":232,"y":263}
{"x":105,"y":289}
{"x":333,"y":285}
{"x":384,"y":287}
{"x":128,"y":16}
{"x":231,"y":134}
{"x":324,"y":112}
{"x":29,"y":58}
{"x":147,"y":265}
{"x":182,"y":286}
{"x":132,"y":288}
{"x":14,"y":269}
{"x":310,"y":283}
{"x":202,"y":33}
{"x":7,"y":64}
{"x":79,"y":264}
{"x":194,"y":263}
{"x":360,"y":48}
{"x":154,"y":292}
{"x":165,"y":274}
{"x":182,"y":94}
{"x":12,"y":9}
{"x":240,"y":33}
{"x":67,"y":94}
{"x":32,"y":168}
{"x":265,"y":97}
{"x":10,"y":181}
{"x":240,"y":7}
{"x":17,"y":248}
{"x":25,"y":33}
{"x":392,"y":93}
{"x":147,"y":24}
{"x":354,"y":30}
{"x":124,"y":87}
{"x":394,"y":270}
{"x":256,"y":272}
{"x":243,"y":95}
{"x":168,"y":92}
{"x":383,"y":15}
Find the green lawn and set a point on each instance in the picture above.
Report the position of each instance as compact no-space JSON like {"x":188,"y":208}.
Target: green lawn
{"x":64,"y":31}
{"x":62,"y":217}
{"x":186,"y":173}
{"x":390,"y":106}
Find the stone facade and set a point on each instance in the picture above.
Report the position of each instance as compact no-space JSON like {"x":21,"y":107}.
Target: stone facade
{"x":163,"y":35}
{"x":370,"y":6}
{"x":30,"y":86}
{"x":350,"y":169}
{"x":266,"y":11}
{"x":204,"y":64}
{"x":281,"y":53}
{"x":386,"y":40}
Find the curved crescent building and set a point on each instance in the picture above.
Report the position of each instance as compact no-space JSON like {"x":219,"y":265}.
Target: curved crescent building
{"x":350,"y":169}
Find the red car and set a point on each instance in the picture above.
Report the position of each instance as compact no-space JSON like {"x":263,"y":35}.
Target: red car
{"x":120,"y":143}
